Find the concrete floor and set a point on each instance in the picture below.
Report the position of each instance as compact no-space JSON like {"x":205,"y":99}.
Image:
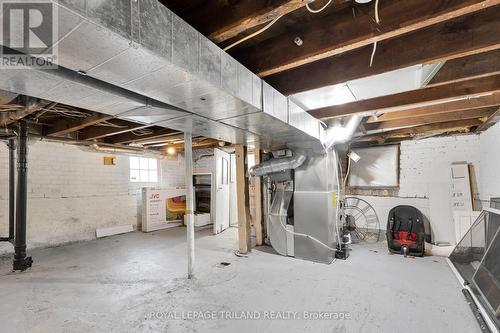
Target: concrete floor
{"x":135,"y":283}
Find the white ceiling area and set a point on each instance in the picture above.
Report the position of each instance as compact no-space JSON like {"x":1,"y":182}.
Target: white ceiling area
{"x":405,"y":79}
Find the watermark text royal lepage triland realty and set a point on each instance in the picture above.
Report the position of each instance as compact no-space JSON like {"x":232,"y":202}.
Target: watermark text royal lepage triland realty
{"x":248,"y":315}
{"x":28,"y":32}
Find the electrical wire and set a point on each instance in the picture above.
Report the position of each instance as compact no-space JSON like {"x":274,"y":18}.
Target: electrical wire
{"x":270,"y":24}
{"x":373,"y":53}
{"x":109,"y":124}
{"x":347,"y":172}
{"x":258,"y":32}
{"x":142,"y":132}
{"x":377,"y":19}
{"x":315,"y":11}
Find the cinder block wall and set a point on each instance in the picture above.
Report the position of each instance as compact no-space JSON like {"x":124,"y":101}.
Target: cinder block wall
{"x":71,"y":192}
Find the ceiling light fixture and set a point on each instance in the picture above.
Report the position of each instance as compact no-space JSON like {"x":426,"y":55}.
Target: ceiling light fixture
{"x":171,"y":151}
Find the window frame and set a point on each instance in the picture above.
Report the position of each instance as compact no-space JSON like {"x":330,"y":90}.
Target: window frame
{"x":136,"y":165}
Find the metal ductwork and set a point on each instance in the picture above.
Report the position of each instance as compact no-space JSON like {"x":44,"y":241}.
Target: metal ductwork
{"x":336,"y":133}
{"x":142,"y":47}
{"x":277,"y":165}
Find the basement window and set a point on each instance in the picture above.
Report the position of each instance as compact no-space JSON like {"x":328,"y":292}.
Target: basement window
{"x":143,"y":170}
{"x":377,"y":168}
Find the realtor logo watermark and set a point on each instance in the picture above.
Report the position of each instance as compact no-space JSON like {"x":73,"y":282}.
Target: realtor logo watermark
{"x":28,"y":34}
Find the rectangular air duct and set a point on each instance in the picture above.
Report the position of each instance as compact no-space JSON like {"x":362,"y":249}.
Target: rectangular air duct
{"x":143,"y":47}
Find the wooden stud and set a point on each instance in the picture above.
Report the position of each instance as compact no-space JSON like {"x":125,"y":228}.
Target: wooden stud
{"x":257,"y":221}
{"x":244,"y":229}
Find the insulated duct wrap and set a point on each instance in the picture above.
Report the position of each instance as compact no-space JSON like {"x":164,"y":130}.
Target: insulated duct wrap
{"x":277,"y":165}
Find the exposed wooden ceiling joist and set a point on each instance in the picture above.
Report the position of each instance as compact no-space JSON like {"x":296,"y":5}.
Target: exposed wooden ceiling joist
{"x":434,"y":129}
{"x":433,"y":118}
{"x":139,"y":139}
{"x":65,"y":126}
{"x":94,"y":133}
{"x":460,"y":105}
{"x":492,"y":119}
{"x":223,"y":20}
{"x":343,"y":31}
{"x":457,"y":38}
{"x":455,"y":90}
{"x":476,"y":65}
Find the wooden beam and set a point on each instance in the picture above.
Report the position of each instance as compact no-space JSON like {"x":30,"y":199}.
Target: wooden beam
{"x":139,"y":139}
{"x":434,"y":118}
{"x":469,"y":88}
{"x":492,"y":119}
{"x":457,"y":38}
{"x":94,"y":133}
{"x":460,"y":105}
{"x":340,"y":32}
{"x":420,"y":130}
{"x":65,"y":126}
{"x":477,"y":65}
{"x":222,"y":20}
{"x":165,"y":140}
{"x":244,"y":229}
{"x":257,"y":185}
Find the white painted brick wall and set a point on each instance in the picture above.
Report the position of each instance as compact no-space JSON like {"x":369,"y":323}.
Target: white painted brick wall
{"x":428,"y":161}
{"x":71,"y":192}
{"x":489,"y":184}
{"x":424,"y":172}
{"x":172,"y":171}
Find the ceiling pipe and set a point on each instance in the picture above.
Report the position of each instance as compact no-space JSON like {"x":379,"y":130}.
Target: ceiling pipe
{"x":277,"y":165}
{"x":100,"y":147}
{"x":21,"y":261}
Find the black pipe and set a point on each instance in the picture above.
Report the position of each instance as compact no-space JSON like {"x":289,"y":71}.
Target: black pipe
{"x":12,"y":176}
{"x":12,"y":187}
{"x":21,"y":262}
